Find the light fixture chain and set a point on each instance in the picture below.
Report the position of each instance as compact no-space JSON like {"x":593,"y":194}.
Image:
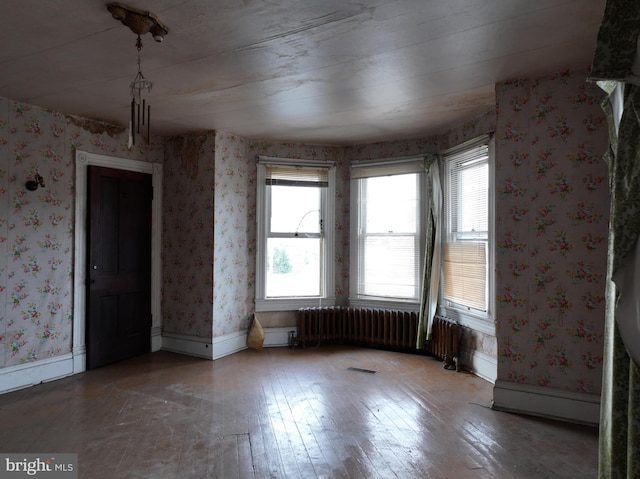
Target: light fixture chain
{"x":140,"y":22}
{"x":139,"y":47}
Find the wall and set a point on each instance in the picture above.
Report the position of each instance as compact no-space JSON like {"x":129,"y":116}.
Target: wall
{"x":208,"y":244}
{"x":552,"y":223}
{"x":187,"y":236}
{"x":36,"y":228}
{"x":209,"y":240}
{"x":234,"y":236}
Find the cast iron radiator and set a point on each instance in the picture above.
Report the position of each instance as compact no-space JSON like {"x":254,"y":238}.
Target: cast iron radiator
{"x":362,"y":326}
{"x":375,"y":328}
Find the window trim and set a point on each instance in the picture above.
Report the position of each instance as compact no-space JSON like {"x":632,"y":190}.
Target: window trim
{"x":386,"y":167}
{"x":327,"y":296}
{"x":475,"y":319}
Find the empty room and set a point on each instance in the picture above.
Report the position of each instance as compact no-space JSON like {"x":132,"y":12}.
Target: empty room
{"x":319,"y":239}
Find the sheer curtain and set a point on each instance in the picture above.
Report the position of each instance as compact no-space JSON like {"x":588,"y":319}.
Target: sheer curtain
{"x":617,"y":69}
{"x":432,"y":257}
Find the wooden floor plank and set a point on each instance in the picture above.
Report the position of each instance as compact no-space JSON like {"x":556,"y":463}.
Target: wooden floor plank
{"x":283,"y":413}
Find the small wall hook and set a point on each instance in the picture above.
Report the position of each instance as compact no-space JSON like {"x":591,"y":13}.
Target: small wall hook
{"x":32,"y":185}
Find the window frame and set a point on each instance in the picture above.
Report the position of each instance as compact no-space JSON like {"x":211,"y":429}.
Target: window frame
{"x":483,"y":321}
{"x":393,"y":166}
{"x":327,"y":235}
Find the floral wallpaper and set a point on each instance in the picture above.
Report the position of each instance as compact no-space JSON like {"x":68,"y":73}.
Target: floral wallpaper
{"x":234,"y":247}
{"x":209,"y":219}
{"x":551,"y":228}
{"x":187,"y":235}
{"x":428,"y":144}
{"x":37,"y":227}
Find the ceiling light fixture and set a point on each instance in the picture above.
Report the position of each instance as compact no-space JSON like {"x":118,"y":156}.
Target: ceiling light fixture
{"x":140,"y":22}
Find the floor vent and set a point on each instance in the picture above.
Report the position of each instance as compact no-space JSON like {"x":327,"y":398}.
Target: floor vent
{"x":360,"y":370}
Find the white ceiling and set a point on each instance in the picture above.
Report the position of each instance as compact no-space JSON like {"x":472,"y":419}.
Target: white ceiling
{"x":322,"y":71}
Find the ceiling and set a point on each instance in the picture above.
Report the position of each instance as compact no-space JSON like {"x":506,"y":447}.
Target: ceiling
{"x":322,"y":71}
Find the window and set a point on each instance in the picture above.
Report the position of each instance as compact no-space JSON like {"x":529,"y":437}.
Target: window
{"x":467,"y":247}
{"x":387,"y":230}
{"x":295,"y":233}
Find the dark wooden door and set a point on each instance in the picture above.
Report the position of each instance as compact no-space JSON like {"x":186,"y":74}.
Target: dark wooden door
{"x":119,"y":265}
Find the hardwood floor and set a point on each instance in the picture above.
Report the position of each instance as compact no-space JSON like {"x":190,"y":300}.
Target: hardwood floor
{"x":285,"y":413}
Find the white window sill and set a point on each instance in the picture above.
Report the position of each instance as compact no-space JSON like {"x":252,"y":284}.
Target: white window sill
{"x":477,"y":322}
{"x":292,"y":304}
{"x":384,"y":304}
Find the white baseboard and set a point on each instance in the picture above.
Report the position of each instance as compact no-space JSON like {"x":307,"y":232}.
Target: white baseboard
{"x":480,"y":364}
{"x":187,"y":344}
{"x":79,"y":359}
{"x":277,"y":337}
{"x":206,"y":348}
{"x":229,"y":344}
{"x":234,"y":342}
{"x":546,"y":402}
{"x":156,"y":338}
{"x":30,"y":374}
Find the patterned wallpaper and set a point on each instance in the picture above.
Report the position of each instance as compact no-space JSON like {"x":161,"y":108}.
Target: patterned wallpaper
{"x":234,"y":235}
{"x":428,"y":144}
{"x":37,"y":227}
{"x":552,"y":223}
{"x":209,"y":230}
{"x":187,"y":235}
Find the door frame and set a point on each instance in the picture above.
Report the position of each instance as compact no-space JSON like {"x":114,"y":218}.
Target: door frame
{"x":83,"y":161}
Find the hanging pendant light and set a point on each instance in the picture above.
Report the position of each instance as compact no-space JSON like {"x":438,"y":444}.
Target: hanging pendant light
{"x":140,"y":108}
{"x":140,"y":22}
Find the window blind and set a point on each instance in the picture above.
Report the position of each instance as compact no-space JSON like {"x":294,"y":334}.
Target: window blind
{"x":464,"y":268}
{"x":292,"y":175}
{"x":468,"y":203}
{"x":465,"y":252}
{"x":388,"y":167}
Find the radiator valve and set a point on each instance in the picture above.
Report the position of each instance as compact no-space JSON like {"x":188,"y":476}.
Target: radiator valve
{"x":293,"y":341}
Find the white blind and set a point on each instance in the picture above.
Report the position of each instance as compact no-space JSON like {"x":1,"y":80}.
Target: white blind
{"x":468,"y":203}
{"x":388,"y":167}
{"x":465,"y":259}
{"x":464,"y":267}
{"x":296,"y":175}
